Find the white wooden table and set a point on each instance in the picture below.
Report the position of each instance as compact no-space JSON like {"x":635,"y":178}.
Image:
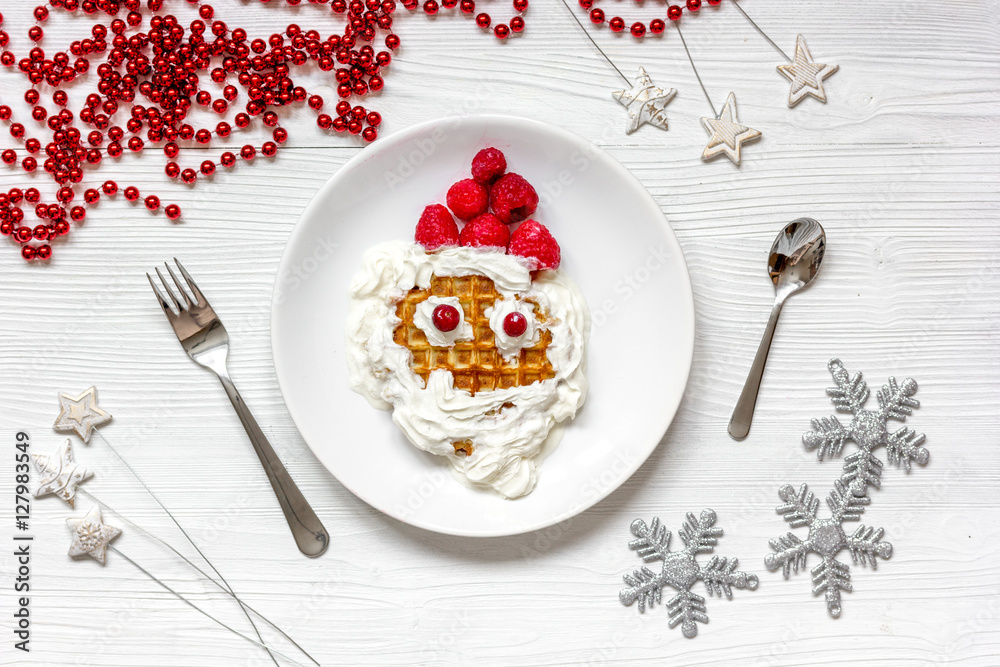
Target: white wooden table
{"x":901,"y":167}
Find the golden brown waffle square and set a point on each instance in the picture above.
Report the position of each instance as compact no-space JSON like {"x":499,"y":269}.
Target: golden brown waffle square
{"x":475,"y":364}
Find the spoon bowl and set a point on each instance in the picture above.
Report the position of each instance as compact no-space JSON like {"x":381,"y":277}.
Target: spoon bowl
{"x":796,"y":255}
{"x":793,"y":263}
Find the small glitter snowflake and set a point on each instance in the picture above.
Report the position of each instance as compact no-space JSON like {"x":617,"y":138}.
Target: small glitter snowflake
{"x":826,"y":539}
{"x":869,"y":429}
{"x":681,"y":570}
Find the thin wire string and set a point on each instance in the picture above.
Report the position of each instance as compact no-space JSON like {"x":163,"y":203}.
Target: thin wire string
{"x":205,"y":613}
{"x":762,"y":33}
{"x":592,"y":41}
{"x":191,"y":541}
{"x":198,"y":569}
{"x":696,"y":75}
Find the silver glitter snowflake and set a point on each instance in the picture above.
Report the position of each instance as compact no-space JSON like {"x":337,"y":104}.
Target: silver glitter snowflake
{"x":869,"y":428}
{"x":681,"y":570}
{"x":826,"y":539}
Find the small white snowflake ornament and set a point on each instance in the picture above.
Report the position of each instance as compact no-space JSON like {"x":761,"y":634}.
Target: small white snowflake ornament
{"x":681,"y":570}
{"x":826,"y":539}
{"x":869,"y":428}
{"x":91,"y":535}
{"x":59,"y":474}
{"x":80,"y":414}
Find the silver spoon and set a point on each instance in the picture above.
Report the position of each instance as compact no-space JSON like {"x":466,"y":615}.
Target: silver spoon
{"x":793,"y":263}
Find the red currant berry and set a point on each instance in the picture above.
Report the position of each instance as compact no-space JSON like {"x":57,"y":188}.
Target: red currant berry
{"x":445,"y":317}
{"x":515,"y":324}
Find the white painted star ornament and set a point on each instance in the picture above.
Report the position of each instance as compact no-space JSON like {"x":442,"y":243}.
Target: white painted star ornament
{"x":60,"y":474}
{"x":727,"y":135}
{"x":91,"y":535}
{"x":645,"y":103}
{"x":80,"y":414}
{"x":806,"y":75}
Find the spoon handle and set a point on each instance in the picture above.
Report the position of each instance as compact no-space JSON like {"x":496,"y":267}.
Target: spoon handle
{"x":739,"y":425}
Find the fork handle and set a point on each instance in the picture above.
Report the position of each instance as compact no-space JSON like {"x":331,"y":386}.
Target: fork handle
{"x":308,"y":531}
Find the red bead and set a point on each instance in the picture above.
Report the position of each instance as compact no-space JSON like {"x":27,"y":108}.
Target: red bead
{"x":521,"y":5}
{"x":430,"y":7}
{"x":392,"y":41}
{"x":517,"y":24}
{"x":207,"y":167}
{"x":29,"y":163}
{"x":617,"y":24}
{"x":77,"y":213}
{"x":28,"y":252}
{"x":91,"y":196}
{"x":515,"y":324}
{"x":43,"y":252}
{"x":467,"y":6}
{"x":248,"y":152}
{"x":483,"y":20}
{"x":269,"y":149}
{"x":673,"y":12}
{"x":693,"y":5}
{"x":135,"y":144}
{"x":445,"y":317}
{"x":109,"y":187}
{"x":61,"y":227}
{"x":656,"y":26}
{"x":40,"y":232}
{"x":227,"y":159}
{"x":23,"y":234}
{"x":501,"y":31}
{"x":369,"y":134}
{"x":189,"y":176}
{"x":131,"y":193}
{"x":597,"y":15}
{"x":173,"y":211}
{"x":638,"y":29}
{"x":152,"y":202}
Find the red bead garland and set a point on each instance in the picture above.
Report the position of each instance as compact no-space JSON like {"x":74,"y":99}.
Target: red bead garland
{"x":149,"y":78}
{"x":638,"y":28}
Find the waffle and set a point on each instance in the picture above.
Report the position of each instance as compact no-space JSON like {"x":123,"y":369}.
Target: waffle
{"x":476,"y":364}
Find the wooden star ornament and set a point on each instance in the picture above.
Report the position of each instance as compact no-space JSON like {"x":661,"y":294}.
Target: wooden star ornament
{"x":727,"y":135}
{"x":60,"y":474}
{"x":645,"y":103}
{"x":91,"y":535}
{"x":805,"y":74}
{"x":80,"y":414}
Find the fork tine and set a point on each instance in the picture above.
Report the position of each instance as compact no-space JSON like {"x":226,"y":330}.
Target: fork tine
{"x":183,"y":292}
{"x":202,"y":301}
{"x":170,"y":293}
{"x":159,"y":297}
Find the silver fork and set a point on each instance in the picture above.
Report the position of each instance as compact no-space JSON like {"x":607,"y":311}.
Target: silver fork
{"x":205,"y":340}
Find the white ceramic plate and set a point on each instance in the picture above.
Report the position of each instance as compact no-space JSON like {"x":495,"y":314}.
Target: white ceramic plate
{"x":616,"y":245}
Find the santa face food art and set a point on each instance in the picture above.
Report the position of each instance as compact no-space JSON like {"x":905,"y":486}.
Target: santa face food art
{"x":478,"y":349}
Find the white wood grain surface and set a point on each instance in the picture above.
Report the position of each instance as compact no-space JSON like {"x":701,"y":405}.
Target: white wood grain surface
{"x":901,"y":167}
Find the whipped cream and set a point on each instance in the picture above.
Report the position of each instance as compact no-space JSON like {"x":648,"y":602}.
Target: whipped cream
{"x":508,"y":427}
{"x":424,"y":319}
{"x":509,"y":346}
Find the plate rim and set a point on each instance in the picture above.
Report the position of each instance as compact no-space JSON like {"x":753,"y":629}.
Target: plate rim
{"x":402,"y":135}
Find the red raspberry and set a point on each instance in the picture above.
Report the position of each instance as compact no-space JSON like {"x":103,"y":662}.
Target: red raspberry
{"x":467,"y":199}
{"x":512,"y":198}
{"x":533,"y":240}
{"x":485,"y":230}
{"x":488,"y":165}
{"x":436,"y":228}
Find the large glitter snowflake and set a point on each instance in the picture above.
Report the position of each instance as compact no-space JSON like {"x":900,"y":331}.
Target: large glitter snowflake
{"x":681,"y":570}
{"x":826,"y":539}
{"x":869,"y":428}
